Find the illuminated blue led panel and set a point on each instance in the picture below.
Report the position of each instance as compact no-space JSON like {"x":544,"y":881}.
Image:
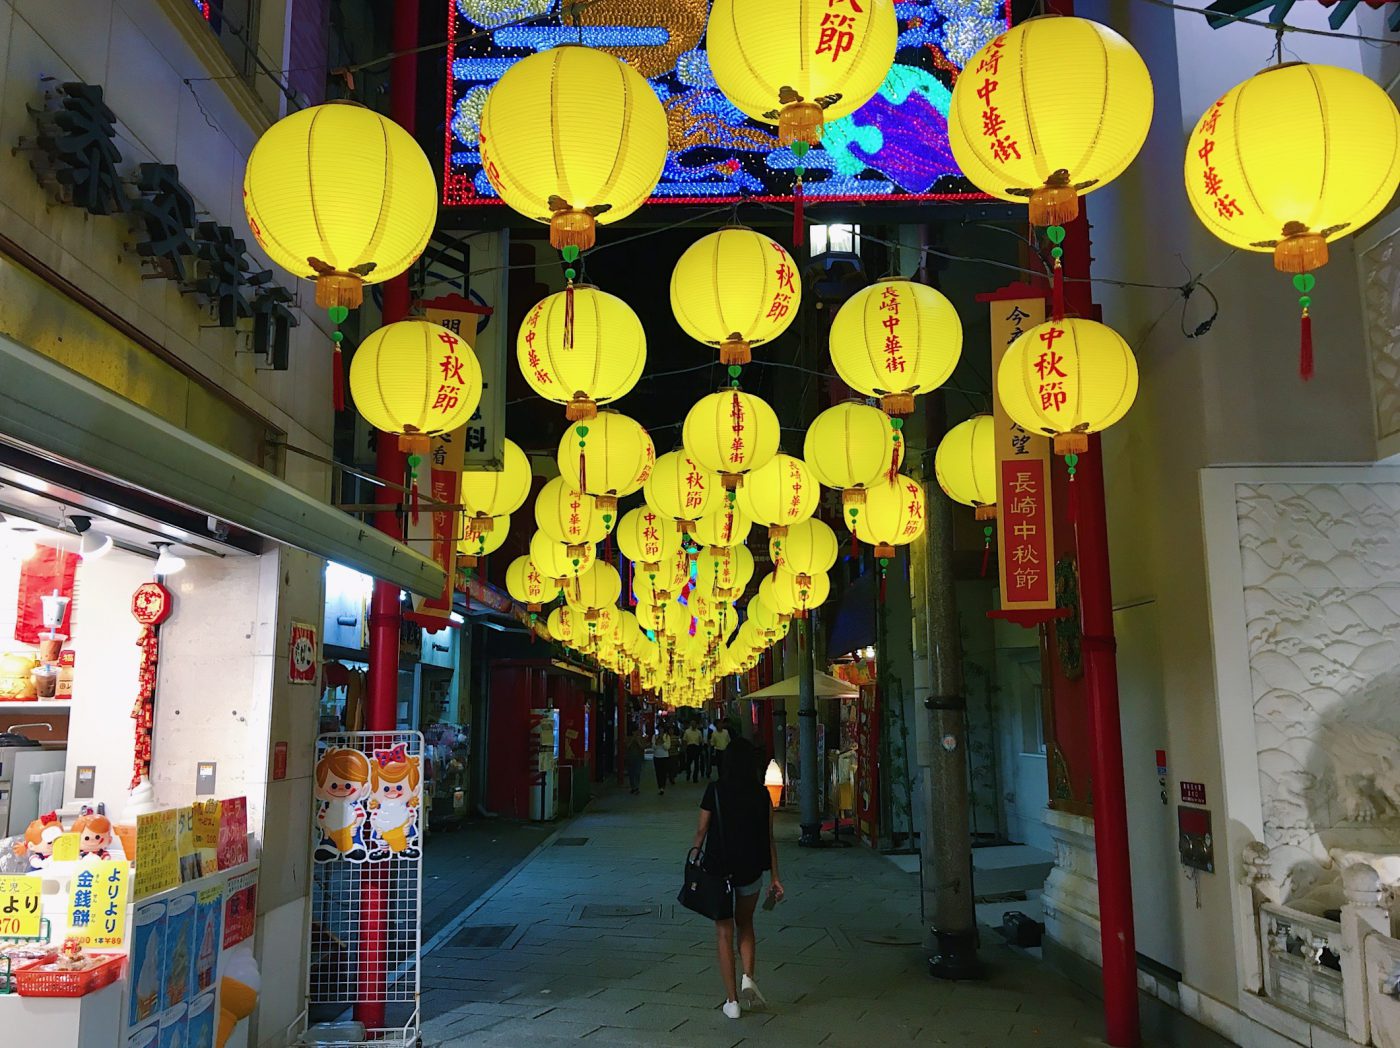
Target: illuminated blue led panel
{"x":541,"y":38}
{"x":481,"y":68}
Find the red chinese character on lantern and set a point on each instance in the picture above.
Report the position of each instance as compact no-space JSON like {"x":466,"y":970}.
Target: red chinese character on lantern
{"x":1004,"y":148}
{"x":894,"y":364}
{"x":1211,"y":181}
{"x":736,"y":450}
{"x":988,"y":88}
{"x":1050,"y":336}
{"x":447,"y":398}
{"x":1227,"y":206}
{"x":991,"y":63}
{"x":785,"y":273}
{"x":835,"y":38}
{"x":893,"y":344}
{"x":889,"y":300}
{"x":992,"y":122}
{"x":779,"y":307}
{"x":1048,"y":364}
{"x":1212,"y":118}
{"x":1053,"y":396}
{"x":695,"y":481}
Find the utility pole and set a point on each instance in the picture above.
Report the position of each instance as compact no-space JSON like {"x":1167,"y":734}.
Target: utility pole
{"x":946,"y":844}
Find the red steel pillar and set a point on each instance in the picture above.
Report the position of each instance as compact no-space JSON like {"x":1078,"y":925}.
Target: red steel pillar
{"x":382,"y":699}
{"x":1120,"y":992}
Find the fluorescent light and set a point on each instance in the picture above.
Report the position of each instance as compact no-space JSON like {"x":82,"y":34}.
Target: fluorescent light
{"x":457,"y":617}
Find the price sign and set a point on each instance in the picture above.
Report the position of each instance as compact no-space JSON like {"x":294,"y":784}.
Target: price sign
{"x":20,"y":909}
{"x":157,"y":860}
{"x":97,"y":903}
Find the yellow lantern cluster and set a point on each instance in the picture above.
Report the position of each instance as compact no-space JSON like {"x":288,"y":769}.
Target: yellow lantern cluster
{"x":808,"y":548}
{"x":475,"y":545}
{"x":893,"y":515}
{"x":489,"y":494}
{"x":528,"y":585}
{"x":851,"y":446}
{"x":797,"y":63}
{"x":559,"y":562}
{"x":894,"y":340}
{"x":415,"y":379}
{"x":573,"y":137}
{"x":966,"y":465}
{"x":1050,"y":109}
{"x":581,"y":347}
{"x":681,"y":489}
{"x":735,"y":289}
{"x":731,"y":433}
{"x":646,"y":538}
{"x":609,"y":457}
{"x":779,"y":494}
{"x":340,"y":195}
{"x":1066,"y":379}
{"x":569,"y":516}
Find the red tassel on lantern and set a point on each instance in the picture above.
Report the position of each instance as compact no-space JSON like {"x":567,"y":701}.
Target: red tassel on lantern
{"x":986,"y":556}
{"x":569,"y":316}
{"x":799,"y":227}
{"x":1058,"y":292}
{"x":882,"y":585}
{"x":1305,"y":346}
{"x":413,"y":500}
{"x":338,"y":380}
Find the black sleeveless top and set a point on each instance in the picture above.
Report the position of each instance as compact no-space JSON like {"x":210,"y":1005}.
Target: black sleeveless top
{"x":742,"y":850}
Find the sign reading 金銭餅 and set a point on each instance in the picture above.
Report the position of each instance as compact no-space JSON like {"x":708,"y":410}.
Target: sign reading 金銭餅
{"x":1025,"y":524}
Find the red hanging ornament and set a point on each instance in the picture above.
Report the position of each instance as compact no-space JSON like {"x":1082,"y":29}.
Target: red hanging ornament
{"x":151,"y":605}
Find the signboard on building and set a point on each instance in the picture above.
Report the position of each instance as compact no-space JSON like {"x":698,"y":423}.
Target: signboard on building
{"x":1025,"y":523}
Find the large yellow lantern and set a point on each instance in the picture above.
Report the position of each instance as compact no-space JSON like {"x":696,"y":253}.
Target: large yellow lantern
{"x":415,"y":379}
{"x":723,"y":527}
{"x":581,"y":347}
{"x":731,"y":433}
{"x":566,"y":624}
{"x":1067,"y":379}
{"x":1292,"y":158}
{"x":734,"y":289}
{"x":765,"y":618}
{"x":723,"y":571}
{"x":797,"y":596}
{"x":559,"y":562}
{"x":477,"y":544}
{"x":966,"y":465}
{"x":851,"y":446}
{"x":796,"y":63}
{"x":895,"y":339}
{"x":340,"y":195}
{"x":494,"y":493}
{"x":779,"y":494}
{"x":569,"y":516}
{"x":808,"y":548}
{"x":646,"y":538}
{"x":573,"y":137}
{"x":528,"y":585}
{"x":681,"y":489}
{"x":1052,"y":108}
{"x":893,"y":515}
{"x":608,"y":457}
{"x":598,"y":587}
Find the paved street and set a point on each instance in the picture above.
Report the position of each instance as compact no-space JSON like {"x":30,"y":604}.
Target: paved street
{"x":585,"y":942}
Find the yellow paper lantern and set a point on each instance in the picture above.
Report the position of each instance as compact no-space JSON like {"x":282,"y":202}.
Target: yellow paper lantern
{"x":598,"y":587}
{"x":1052,"y":108}
{"x":779,"y":494}
{"x":557,"y":561}
{"x":573,"y":137}
{"x":415,"y":379}
{"x":797,"y":63}
{"x":656,"y":587}
{"x":340,"y":195}
{"x":734,"y":289}
{"x":808,"y":548}
{"x":477,"y":544}
{"x":763,"y":615}
{"x":528,"y":585}
{"x":850,"y":446}
{"x":646,"y":538}
{"x":569,"y":516}
{"x":567,"y":625}
{"x":966,"y":465}
{"x":494,"y":493}
{"x":581,"y":347}
{"x":796,"y":596}
{"x":1067,"y":379}
{"x":608,"y":457}
{"x":896,"y":339}
{"x":731,"y":433}
{"x":1292,"y":158}
{"x":726,"y":526}
{"x":681,"y":489}
{"x":723,"y":571}
{"x":893,"y":515}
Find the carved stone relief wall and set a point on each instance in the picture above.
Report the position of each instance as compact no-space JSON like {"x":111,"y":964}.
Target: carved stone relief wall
{"x":1321,"y":568}
{"x":1380,"y":289}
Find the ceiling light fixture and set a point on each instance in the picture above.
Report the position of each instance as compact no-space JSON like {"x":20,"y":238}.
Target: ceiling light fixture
{"x":168,"y":563}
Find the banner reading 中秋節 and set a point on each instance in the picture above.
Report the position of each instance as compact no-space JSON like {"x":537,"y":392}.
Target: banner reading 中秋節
{"x":1025,"y":523}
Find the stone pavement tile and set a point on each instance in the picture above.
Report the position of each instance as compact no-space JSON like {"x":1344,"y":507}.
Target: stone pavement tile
{"x":958,"y":1024}
{"x":654,"y":979}
{"x":664,"y":1015}
{"x":715,"y":1031}
{"x":528,"y":1031}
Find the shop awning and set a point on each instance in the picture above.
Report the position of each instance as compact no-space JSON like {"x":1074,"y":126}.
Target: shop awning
{"x":52,"y":410}
{"x":825,"y":686}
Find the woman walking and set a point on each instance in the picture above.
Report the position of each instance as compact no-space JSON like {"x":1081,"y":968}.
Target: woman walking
{"x":636,"y":754}
{"x":737,"y":808}
{"x":661,"y":760}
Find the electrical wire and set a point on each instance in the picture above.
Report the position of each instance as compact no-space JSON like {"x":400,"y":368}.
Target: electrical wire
{"x":1276,"y":26}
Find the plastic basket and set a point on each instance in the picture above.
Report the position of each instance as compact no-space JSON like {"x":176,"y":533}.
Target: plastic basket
{"x":29,"y":982}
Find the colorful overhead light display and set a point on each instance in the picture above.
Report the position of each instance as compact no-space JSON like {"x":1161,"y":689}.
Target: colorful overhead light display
{"x":581,"y":347}
{"x":735,"y":289}
{"x":1050,"y":109}
{"x":609,"y":457}
{"x":895,"y":146}
{"x":1294,"y":157}
{"x":894,"y":340}
{"x":731,"y":433}
{"x":1066,"y":379}
{"x":572,"y":137}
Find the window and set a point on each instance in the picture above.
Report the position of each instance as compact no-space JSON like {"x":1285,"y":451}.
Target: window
{"x":842,"y":238}
{"x":234,"y":23}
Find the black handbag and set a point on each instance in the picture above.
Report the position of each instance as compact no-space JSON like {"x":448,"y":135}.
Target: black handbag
{"x":703,"y":891}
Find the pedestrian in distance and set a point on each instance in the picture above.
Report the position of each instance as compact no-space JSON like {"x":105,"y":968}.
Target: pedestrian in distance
{"x":661,"y":760}
{"x":692,"y":739}
{"x":636,"y":757}
{"x":738,"y":811}
{"x":676,"y":764}
{"x":719,"y":742}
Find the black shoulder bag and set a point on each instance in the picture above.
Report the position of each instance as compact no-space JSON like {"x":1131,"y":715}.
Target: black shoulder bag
{"x":708,"y":894}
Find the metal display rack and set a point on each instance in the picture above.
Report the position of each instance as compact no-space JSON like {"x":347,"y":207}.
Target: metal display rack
{"x":7,"y":983}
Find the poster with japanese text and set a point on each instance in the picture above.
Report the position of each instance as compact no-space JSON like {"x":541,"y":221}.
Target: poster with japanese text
{"x":240,"y":907}
{"x":97,"y":902}
{"x":1025,"y":524}
{"x":20,"y":910}
{"x":157,"y":857}
{"x":233,"y":832}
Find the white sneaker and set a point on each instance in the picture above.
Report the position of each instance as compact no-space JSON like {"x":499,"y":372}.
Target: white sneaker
{"x":731,"y":1009}
{"x":749,"y":995}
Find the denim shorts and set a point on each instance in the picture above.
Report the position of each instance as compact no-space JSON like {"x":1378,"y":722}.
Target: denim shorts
{"x":749,"y":889}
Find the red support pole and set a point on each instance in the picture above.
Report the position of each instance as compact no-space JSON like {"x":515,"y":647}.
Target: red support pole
{"x":382,"y":699}
{"x":1120,"y":993}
